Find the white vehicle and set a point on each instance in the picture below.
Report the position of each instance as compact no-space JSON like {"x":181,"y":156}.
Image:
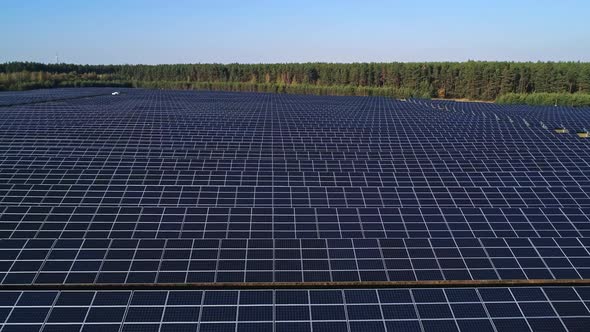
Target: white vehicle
{"x":115,"y":93}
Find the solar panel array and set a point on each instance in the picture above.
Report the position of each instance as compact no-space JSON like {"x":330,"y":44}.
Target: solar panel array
{"x":75,"y":261}
{"x":204,"y":188}
{"x":9,"y":98}
{"x":445,"y":309}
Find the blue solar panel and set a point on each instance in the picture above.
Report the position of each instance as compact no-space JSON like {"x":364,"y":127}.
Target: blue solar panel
{"x":449,"y":309}
{"x":318,"y":260}
{"x":181,"y":187}
{"x":50,"y":95}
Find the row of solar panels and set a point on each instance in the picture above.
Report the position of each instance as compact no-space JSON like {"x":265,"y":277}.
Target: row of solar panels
{"x":47,"y":95}
{"x":424,"y":310}
{"x":78,"y":261}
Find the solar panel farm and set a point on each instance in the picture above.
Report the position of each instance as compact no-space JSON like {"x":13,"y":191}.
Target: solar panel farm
{"x":169,"y":210}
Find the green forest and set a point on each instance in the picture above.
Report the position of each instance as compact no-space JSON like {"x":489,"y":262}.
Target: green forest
{"x":508,"y":82}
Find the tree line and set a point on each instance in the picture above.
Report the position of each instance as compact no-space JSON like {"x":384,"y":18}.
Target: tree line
{"x":473,"y":79}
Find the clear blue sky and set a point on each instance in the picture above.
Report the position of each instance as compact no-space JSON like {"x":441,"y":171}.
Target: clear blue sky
{"x":251,"y":31}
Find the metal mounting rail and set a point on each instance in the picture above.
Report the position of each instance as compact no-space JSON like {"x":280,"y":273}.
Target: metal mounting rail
{"x":305,"y":285}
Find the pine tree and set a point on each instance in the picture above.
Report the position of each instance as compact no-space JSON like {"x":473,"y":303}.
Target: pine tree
{"x":584,"y":79}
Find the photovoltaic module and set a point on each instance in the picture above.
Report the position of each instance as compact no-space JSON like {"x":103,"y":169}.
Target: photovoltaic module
{"x":162,"y":210}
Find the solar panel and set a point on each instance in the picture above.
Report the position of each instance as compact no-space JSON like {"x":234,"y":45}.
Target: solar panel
{"x":182,"y":189}
{"x":408,"y":309}
{"x":49,"y":95}
{"x":291,"y":260}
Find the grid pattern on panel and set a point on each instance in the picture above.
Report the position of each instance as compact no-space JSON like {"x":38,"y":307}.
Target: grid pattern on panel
{"x":50,"y":95}
{"x":444,"y":309}
{"x":338,"y":260}
{"x":22,"y":222}
{"x":166,"y":187}
{"x":154,"y":148}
